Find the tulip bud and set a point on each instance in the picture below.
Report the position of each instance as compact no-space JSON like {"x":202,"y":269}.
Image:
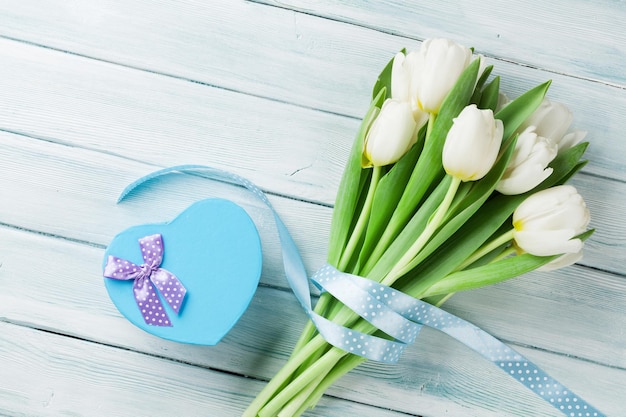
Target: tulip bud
{"x":547,"y":222}
{"x":391,"y":135}
{"x":443,"y":61}
{"x":472,"y":144}
{"x":528,"y":165}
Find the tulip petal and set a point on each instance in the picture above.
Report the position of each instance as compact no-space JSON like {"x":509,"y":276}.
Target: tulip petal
{"x":548,"y":243}
{"x":571,"y":139}
{"x":562,"y":261}
{"x":523,"y":180}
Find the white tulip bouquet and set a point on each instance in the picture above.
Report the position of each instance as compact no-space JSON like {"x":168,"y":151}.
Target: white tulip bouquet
{"x":449,"y":187}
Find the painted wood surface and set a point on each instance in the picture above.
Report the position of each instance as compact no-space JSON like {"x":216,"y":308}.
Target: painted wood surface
{"x":97,"y":93}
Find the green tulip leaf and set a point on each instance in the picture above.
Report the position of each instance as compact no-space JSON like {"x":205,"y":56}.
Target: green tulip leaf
{"x":567,"y":163}
{"x":478,"y":90}
{"x":488,"y":274}
{"x":489,"y":97}
{"x":484,"y":76}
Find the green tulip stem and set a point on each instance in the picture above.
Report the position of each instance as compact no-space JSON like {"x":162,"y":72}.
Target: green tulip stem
{"x":444,"y":299}
{"x":401,"y":266}
{"x":362,"y":221}
{"x":340,"y":369}
{"x":508,"y":251}
{"x":301,"y":400}
{"x":485,"y":249}
{"x":309,"y":328}
{"x":431,"y":122}
{"x":283,"y":375}
{"x":319,"y":368}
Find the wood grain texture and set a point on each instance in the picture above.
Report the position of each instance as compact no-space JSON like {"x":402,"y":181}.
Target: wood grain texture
{"x":97,"y":93}
{"x":580,"y":38}
{"x":53,"y":377}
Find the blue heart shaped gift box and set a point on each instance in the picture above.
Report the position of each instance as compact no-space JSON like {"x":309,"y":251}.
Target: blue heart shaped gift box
{"x":197,"y":272}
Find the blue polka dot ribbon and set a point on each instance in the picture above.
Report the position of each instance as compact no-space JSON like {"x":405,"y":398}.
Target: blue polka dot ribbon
{"x":395,"y":313}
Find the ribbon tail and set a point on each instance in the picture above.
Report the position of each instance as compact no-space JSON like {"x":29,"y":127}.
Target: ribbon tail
{"x":120,"y":269}
{"x":170,"y":287}
{"x":206,"y":171}
{"x":150,"y":304}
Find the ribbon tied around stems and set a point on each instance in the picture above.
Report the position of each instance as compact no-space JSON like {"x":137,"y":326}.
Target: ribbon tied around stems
{"x":148,"y":276}
{"x":395,"y":313}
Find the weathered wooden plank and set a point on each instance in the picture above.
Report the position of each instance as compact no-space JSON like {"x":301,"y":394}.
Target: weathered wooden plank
{"x":297,"y":58}
{"x":580,"y":38}
{"x":191,"y":122}
{"x":56,"y":285}
{"x":72,"y":100}
{"x":44,"y":374}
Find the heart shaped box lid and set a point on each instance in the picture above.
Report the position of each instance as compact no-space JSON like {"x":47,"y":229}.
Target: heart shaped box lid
{"x":214,"y":249}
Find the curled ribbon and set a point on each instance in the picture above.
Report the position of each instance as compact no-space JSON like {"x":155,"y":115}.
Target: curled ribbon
{"x":395,"y":313}
{"x":148,"y":276}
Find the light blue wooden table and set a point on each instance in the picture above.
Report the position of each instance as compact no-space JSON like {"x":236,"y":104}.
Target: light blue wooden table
{"x":94,"y":94}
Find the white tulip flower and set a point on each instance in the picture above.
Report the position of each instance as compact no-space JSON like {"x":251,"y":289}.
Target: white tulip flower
{"x":391,"y":135}
{"x":443,"y":61}
{"x":547,"y":222}
{"x":403,"y":72}
{"x":552,"y":120}
{"x":528,"y":166}
{"x":571,"y":139}
{"x":472,"y":144}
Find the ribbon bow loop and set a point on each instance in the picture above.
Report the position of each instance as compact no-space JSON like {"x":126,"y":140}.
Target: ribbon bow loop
{"x":148,"y":276}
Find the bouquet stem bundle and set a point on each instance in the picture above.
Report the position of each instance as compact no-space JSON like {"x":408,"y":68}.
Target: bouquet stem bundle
{"x":430,"y":202}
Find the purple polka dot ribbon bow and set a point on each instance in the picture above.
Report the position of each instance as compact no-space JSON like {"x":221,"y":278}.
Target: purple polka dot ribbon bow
{"x":147,"y":276}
